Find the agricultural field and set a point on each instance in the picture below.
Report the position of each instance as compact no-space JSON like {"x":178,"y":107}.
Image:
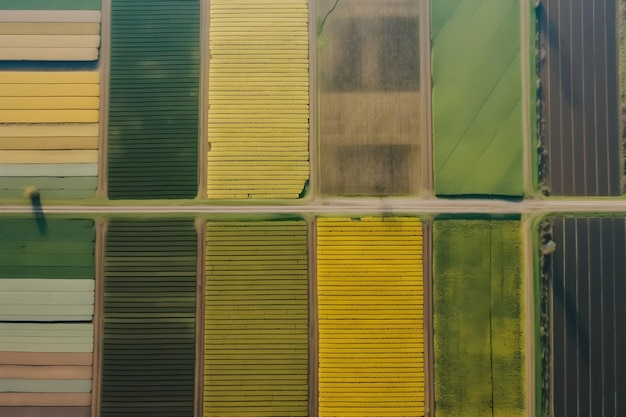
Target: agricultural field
{"x":583,"y":365}
{"x":370,"y":97}
{"x":258,"y":83}
{"x":49,"y":128}
{"x":579,"y":98}
{"x":477,"y":103}
{"x":47,"y":277}
{"x":478,"y":318}
{"x":256,"y":334}
{"x":153,"y":100}
{"x":371,"y":317}
{"x":149,"y":318}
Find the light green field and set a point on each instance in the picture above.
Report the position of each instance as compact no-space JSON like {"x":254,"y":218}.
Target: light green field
{"x":478,"y":318}
{"x":477,"y":106}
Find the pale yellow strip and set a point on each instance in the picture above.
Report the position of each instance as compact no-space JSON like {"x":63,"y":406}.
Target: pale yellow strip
{"x":48,"y":143}
{"x":258,"y":177}
{"x":37,"y":16}
{"x":228,"y":195}
{"x":222,"y":166}
{"x":49,"y":157}
{"x":259,"y":84}
{"x":49,"y":28}
{"x":49,"y":103}
{"x":251,"y":158}
{"x":49,"y":116}
{"x":49,"y":54}
{"x":49,"y":77}
{"x":237,"y":183}
{"x":46,"y":358}
{"x":231,"y":4}
{"x":20,"y":131}
{"x":49,"y":41}
{"x":49,"y":90}
{"x":267,"y":12}
{"x":45,"y":399}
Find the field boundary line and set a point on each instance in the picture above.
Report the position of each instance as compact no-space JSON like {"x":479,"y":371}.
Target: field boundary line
{"x":426,"y":109}
{"x":526,"y":119}
{"x":529,"y":313}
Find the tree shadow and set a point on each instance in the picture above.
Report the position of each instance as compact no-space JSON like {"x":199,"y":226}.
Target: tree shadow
{"x":548,"y":32}
{"x":40,"y":217}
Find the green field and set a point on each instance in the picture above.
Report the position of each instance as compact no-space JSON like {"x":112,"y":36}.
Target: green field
{"x":478,"y":318}
{"x":47,"y":248}
{"x":477,"y":106}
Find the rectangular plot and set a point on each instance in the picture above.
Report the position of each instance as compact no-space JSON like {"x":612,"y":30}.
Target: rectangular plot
{"x":49,"y":41}
{"x":43,"y":184}
{"x":81,"y":156}
{"x":42,"y":16}
{"x":50,"y":28}
{"x":51,"y":4}
{"x":40,"y":297}
{"x":48,"y":143}
{"x":45,"y":312}
{"x":45,"y":399}
{"x":154,"y":100}
{"x":479,"y":343}
{"x":52,"y":385}
{"x":586,"y":299}
{"x":229,"y":245}
{"x":392,"y":330}
{"x":40,"y":170}
{"x":48,"y":54}
{"x":369,"y":93}
{"x":138,"y":368}
{"x":237,"y":59}
{"x":580,"y":98}
{"x":49,"y":116}
{"x":39,"y":103}
{"x":49,"y":77}
{"x":61,"y":263}
{"x":26,"y":411}
{"x":477,"y":116}
{"x":45,"y":357}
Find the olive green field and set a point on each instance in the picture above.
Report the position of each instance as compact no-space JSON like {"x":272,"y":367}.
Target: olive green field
{"x":478,"y":318}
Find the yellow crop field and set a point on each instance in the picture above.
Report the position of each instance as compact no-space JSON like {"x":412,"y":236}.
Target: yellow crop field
{"x":371,"y":317}
{"x":259,"y":100}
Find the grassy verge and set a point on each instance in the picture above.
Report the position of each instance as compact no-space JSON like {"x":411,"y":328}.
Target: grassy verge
{"x":542,"y":234}
{"x":534,"y":120}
